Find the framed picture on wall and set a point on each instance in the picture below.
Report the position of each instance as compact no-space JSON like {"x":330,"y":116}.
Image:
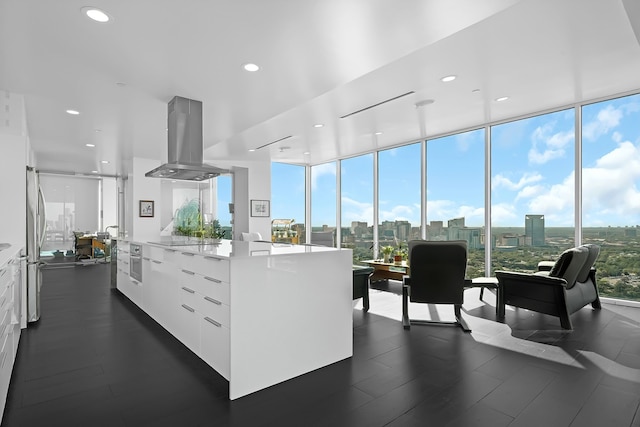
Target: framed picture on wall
{"x":146,"y":208}
{"x":260,"y":208}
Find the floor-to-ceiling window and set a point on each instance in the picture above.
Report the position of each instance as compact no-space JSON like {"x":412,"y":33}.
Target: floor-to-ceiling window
{"x":75,"y":205}
{"x":399,"y":171}
{"x":323,"y":204}
{"x":455,"y":193}
{"x":287,"y":202}
{"x":611,"y":193}
{"x":356,"y":199}
{"x":533,"y":200}
{"x":532,"y":183}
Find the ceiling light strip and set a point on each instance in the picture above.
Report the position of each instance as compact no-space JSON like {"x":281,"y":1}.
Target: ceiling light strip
{"x":375,"y":105}
{"x":270,"y":143}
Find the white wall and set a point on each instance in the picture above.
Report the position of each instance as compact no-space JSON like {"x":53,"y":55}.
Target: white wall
{"x":256,"y":185}
{"x":144,"y":188}
{"x":14,"y":153}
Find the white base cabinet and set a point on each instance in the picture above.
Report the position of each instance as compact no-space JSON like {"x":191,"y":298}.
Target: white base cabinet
{"x":10,"y":314}
{"x":256,"y":320}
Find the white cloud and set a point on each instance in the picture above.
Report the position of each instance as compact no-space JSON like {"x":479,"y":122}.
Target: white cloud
{"x":400,"y":212}
{"x":352,"y":210}
{"x":539,"y":158}
{"x":547,"y":145}
{"x":320,"y":170}
{"x":529,"y":191}
{"x":503,"y":213}
{"x":610,"y":187}
{"x":443,"y":210}
{"x":606,"y":119}
{"x":556,"y":199}
{"x":502,"y":181}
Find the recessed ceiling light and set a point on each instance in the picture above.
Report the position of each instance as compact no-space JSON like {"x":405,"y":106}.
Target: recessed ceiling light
{"x":97,"y":130}
{"x":502,"y":98}
{"x":251,"y":67}
{"x":378,"y":133}
{"x":318,"y":125}
{"x":104,"y":161}
{"x":90,"y":145}
{"x":448,"y":78}
{"x":94,"y":171}
{"x":306,"y":152}
{"x":96,"y":14}
{"x":251,"y":150}
{"x":73,"y":112}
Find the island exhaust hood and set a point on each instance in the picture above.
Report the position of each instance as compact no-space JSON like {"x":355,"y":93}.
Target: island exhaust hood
{"x":184,"y":132}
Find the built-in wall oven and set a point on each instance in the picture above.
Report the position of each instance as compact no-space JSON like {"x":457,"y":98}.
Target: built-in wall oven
{"x":135,"y":261}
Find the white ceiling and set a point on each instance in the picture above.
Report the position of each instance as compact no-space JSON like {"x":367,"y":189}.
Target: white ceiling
{"x":320,"y":60}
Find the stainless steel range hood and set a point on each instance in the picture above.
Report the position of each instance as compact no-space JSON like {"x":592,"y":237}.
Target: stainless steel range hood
{"x":185,"y":144}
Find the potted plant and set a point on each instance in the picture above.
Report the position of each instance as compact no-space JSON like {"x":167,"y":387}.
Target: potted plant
{"x":400,"y":254}
{"x":387,"y":251}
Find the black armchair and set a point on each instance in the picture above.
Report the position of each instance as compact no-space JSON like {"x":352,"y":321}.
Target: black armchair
{"x":568,"y":286}
{"x":437,"y":276}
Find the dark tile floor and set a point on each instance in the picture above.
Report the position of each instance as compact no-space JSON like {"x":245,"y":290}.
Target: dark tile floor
{"x":94,"y":359}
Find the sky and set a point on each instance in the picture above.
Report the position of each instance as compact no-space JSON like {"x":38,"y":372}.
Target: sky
{"x":532,"y":172}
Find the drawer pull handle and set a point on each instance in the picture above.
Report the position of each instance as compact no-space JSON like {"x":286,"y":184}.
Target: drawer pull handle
{"x":125,"y":262}
{"x":215,"y":301}
{"x":134,"y":282}
{"x":191,"y":291}
{"x":187,"y":253}
{"x":170,"y":250}
{"x":213,"y":322}
{"x":211,"y":279}
{"x":186,"y":307}
{"x":212,"y":258}
{"x":146,"y":258}
{"x":157,"y":262}
{"x":188,"y":272}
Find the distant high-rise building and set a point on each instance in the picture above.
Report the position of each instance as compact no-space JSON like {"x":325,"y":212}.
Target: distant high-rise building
{"x":456,"y":222}
{"x":359,"y":228}
{"x":534,"y":230}
{"x":403,"y":230}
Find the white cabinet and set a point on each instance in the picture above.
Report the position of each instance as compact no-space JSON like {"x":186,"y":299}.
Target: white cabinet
{"x":214,"y":345}
{"x":256,"y":319}
{"x":126,"y":284}
{"x":10,"y":313}
{"x":188,"y":294}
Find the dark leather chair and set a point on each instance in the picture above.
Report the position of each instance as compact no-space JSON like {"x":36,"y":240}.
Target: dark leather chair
{"x":361,"y":277}
{"x":437,"y":276}
{"x":568,"y":286}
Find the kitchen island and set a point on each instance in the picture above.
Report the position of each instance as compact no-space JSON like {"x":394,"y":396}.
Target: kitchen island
{"x":259,"y":313}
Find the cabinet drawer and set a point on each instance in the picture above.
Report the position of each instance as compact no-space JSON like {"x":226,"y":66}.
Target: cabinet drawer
{"x":153,"y":253}
{"x":214,"y":346}
{"x":188,"y":296}
{"x":171,"y":256}
{"x":213,"y":309}
{"x":207,"y":266}
{"x":214,"y":288}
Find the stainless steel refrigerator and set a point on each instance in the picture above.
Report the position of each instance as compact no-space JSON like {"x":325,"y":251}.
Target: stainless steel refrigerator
{"x":36,"y":224}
